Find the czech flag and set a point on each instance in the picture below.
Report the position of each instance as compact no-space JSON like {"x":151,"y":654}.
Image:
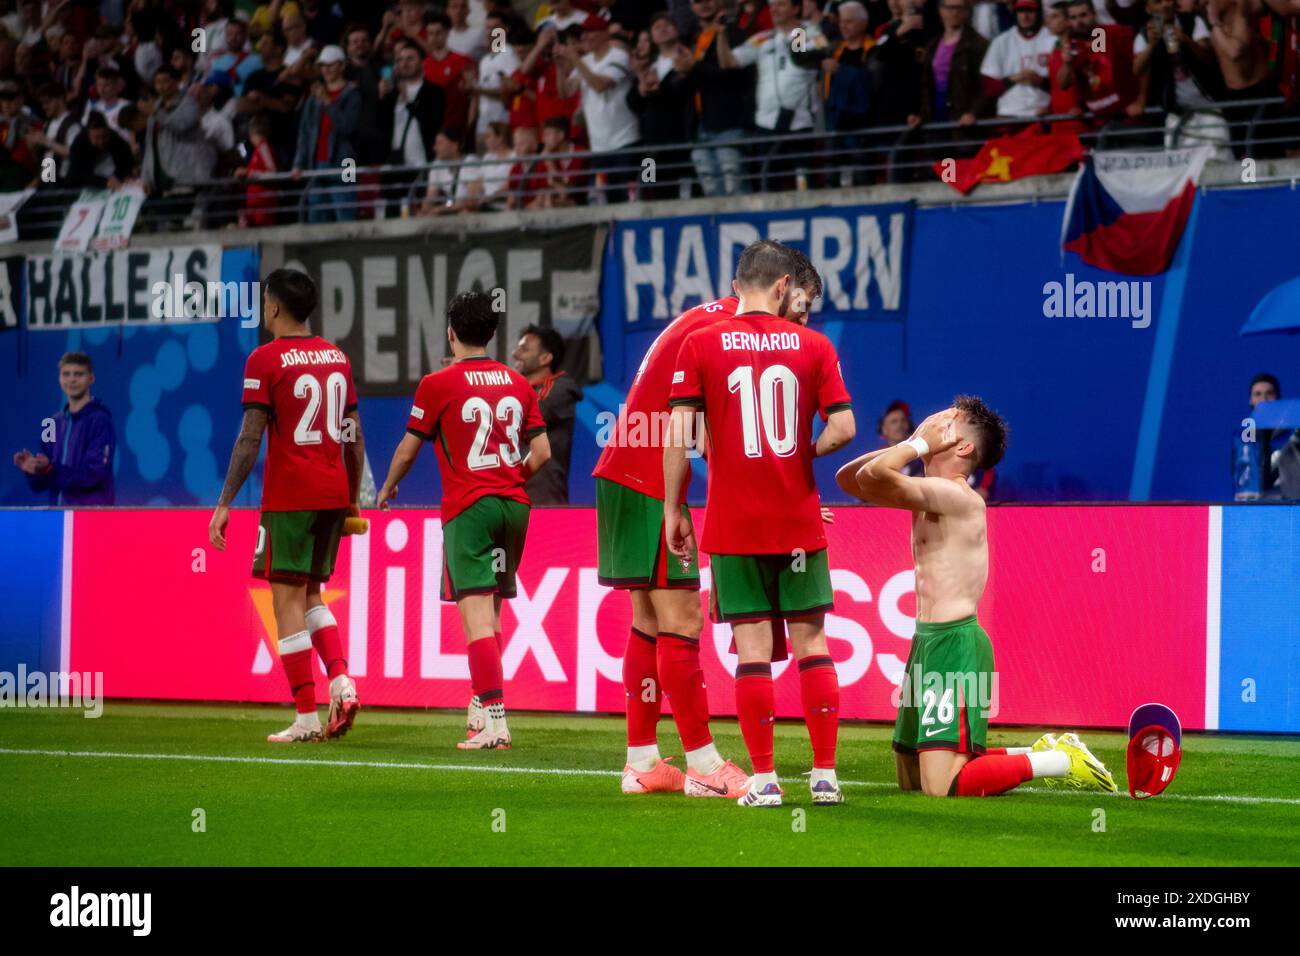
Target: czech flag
{"x":1127,"y":210}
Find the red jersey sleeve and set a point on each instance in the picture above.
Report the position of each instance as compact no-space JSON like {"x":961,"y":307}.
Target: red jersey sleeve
{"x":257,"y":382}
{"x":688,"y":386}
{"x":832,"y":394}
{"x":423,"y":422}
{"x":534,"y":424}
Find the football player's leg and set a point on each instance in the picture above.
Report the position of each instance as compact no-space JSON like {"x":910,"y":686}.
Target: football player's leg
{"x":756,"y":702}
{"x":819,"y":689}
{"x":478,"y":618}
{"x":908,"y":770}
{"x":324,"y":631}
{"x":645,"y":770}
{"x":289,"y":603}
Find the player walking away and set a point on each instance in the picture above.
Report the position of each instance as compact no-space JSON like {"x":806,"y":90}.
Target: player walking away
{"x":480,"y":415}
{"x":760,"y":380}
{"x":939,"y":737}
{"x":663,"y":648}
{"x":301,"y":386}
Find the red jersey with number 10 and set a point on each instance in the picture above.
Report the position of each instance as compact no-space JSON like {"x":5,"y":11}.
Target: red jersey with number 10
{"x":305,"y":386}
{"x":634,"y":452}
{"x":480,"y":416}
{"x":761,"y":380}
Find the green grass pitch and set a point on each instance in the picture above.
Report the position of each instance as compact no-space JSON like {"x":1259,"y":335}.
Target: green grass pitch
{"x":396,"y":791}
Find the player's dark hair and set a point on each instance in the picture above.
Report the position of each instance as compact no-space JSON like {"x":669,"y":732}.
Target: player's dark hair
{"x":292,"y":289}
{"x":551,"y":341}
{"x":990,"y":430}
{"x":805,"y":274}
{"x":762,"y":263}
{"x":472,"y":318}
{"x":1267,"y":379}
{"x":77,"y":358}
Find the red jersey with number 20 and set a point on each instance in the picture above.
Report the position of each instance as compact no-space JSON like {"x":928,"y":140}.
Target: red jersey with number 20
{"x":634,"y":454}
{"x":761,"y":380}
{"x":480,"y":416}
{"x":305,"y":385}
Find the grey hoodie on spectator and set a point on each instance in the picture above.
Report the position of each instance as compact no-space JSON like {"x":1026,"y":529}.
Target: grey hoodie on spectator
{"x":176,"y":149}
{"x":345,"y":120}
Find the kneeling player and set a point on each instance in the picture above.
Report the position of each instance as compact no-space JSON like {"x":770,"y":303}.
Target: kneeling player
{"x":479,"y":414}
{"x":939,"y":737}
{"x":302,"y":385}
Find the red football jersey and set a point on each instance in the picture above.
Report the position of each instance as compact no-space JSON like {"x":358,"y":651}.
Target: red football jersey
{"x":760,"y":380}
{"x":305,"y":385}
{"x":634,"y":454}
{"x":480,"y":415}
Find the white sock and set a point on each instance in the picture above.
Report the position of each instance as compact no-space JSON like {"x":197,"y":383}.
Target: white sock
{"x":496,"y":715}
{"x":1049,"y":763}
{"x":705,"y":760}
{"x":761,"y":780}
{"x":1019,"y":750}
{"x":643,"y":758}
{"x":309,"y":720}
{"x":820,"y":773}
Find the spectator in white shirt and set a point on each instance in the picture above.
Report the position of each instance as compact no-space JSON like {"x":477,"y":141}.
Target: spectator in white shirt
{"x":61,"y":127}
{"x":297,"y":42}
{"x":603,"y":75}
{"x":1015,"y":64}
{"x":562,"y":15}
{"x":787,"y":99}
{"x":495,"y":177}
{"x":109,"y":85}
{"x":453,"y":186}
{"x":464,"y":37}
{"x":491,"y":100}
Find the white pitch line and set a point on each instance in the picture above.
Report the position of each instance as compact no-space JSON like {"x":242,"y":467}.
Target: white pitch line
{"x":566,"y":772}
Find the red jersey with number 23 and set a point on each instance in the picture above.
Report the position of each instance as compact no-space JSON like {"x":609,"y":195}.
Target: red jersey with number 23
{"x":761,"y":380}
{"x":634,"y":454}
{"x":305,"y":385}
{"x":480,"y":416}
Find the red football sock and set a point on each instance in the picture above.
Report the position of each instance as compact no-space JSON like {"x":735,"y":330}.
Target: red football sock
{"x":639,"y":667}
{"x":329,"y":647}
{"x":501,"y":645}
{"x":683,"y":682}
{"x":996,"y":752}
{"x":485,"y":671}
{"x":989,"y":776}
{"x":756,"y":709}
{"x":819,"y":687}
{"x":298,"y":669}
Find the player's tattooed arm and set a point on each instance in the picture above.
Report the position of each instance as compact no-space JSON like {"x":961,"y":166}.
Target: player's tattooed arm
{"x":839,"y":431}
{"x":242,"y":460}
{"x":244,"y":455}
{"x":354,"y":454}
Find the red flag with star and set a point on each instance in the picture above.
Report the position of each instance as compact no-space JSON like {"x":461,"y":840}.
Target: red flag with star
{"x":1031,"y":152}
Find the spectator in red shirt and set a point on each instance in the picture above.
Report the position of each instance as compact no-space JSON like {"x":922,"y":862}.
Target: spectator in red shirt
{"x":538,"y":78}
{"x":407,"y":22}
{"x":1064,"y":99}
{"x":565,"y":177}
{"x":259,"y":199}
{"x":527,"y":177}
{"x":451,"y":71}
{"x":1100,"y":67}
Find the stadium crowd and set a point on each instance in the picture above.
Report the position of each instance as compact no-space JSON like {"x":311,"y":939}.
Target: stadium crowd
{"x":492,"y":104}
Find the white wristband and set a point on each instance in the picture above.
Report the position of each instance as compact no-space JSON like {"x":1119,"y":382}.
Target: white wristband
{"x":919,"y":445}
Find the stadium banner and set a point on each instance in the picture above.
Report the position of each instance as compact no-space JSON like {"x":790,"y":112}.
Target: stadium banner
{"x":657,"y":268}
{"x":137,"y":287}
{"x":1088,"y":619}
{"x":1259,"y":670}
{"x":384,"y":302}
{"x":11,"y":292}
{"x":31,"y":590}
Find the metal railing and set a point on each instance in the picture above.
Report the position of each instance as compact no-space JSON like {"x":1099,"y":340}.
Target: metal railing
{"x":805,"y":159}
